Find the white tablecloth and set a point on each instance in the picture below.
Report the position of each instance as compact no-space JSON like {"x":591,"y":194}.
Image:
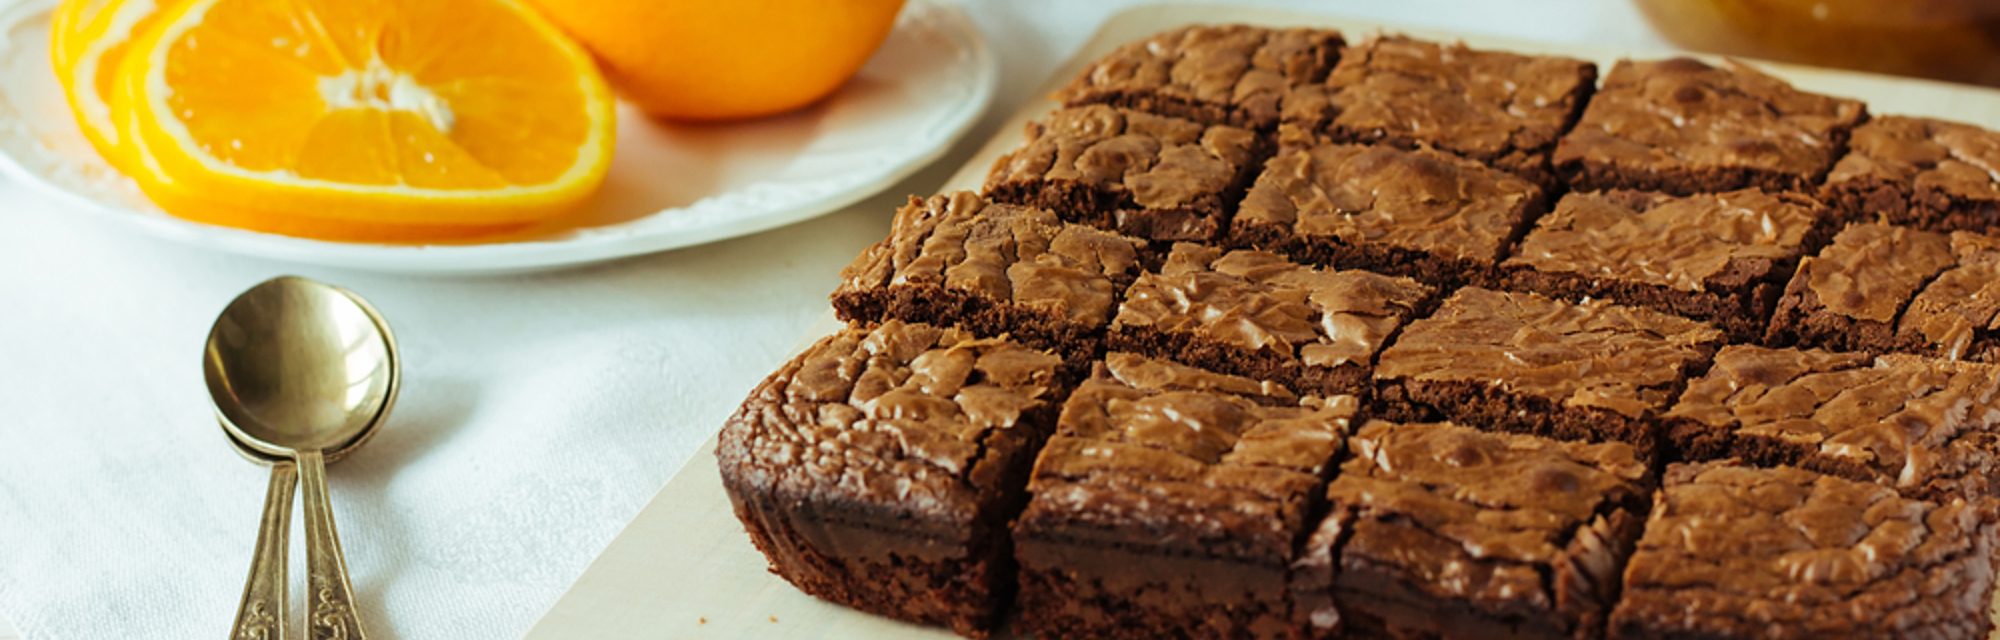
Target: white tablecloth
{"x":539,"y":414}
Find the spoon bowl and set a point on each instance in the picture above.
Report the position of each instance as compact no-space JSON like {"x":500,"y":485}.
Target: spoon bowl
{"x":294,"y":365}
{"x":300,"y":372}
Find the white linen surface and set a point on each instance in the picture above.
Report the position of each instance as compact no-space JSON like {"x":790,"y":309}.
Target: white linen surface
{"x":539,"y":413}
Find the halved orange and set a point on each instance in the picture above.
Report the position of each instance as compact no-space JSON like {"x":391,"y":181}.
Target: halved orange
{"x":374,"y":119}
{"x":726,"y":59}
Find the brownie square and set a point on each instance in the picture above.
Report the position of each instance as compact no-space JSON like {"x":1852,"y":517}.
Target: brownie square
{"x":1236,"y":75}
{"x":1525,"y":363}
{"x":1848,"y":297}
{"x":1722,"y":258}
{"x":1732,"y":551}
{"x":1929,"y":428}
{"x":1504,"y":109}
{"x":1684,"y":127}
{"x":1957,"y":315}
{"x":1443,"y":531}
{"x":995,"y":269}
{"x":879,"y":469}
{"x":1421,"y":213}
{"x":1926,"y":173}
{"x":1256,"y":314}
{"x":1168,"y":503}
{"x":1148,"y":176}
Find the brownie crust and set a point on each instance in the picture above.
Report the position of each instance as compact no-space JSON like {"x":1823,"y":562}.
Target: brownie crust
{"x":1424,"y":214}
{"x":1256,"y":314}
{"x":1721,"y":258}
{"x":1919,"y":172}
{"x":879,"y":469}
{"x":1733,"y":551}
{"x":1928,"y":428}
{"x":1144,"y":175}
{"x":1957,"y":315}
{"x":1503,"y":109}
{"x":1399,"y":554}
{"x":1171,"y":498}
{"x":1525,"y":363}
{"x":1683,"y":127}
{"x":1235,"y":75}
{"x":1849,"y":296}
{"x":994,"y":269}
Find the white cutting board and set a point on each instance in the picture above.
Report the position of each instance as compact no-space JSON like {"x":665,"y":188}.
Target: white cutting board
{"x":684,"y":568}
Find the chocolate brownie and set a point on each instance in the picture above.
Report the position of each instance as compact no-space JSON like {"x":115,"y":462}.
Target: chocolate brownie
{"x":1422,"y":213}
{"x":1848,"y":297}
{"x":1930,"y":174}
{"x":1236,"y":75}
{"x":1168,"y":504}
{"x":1722,"y":258}
{"x":1684,"y":127}
{"x":995,"y":269}
{"x":1524,"y":363}
{"x":1144,"y":175}
{"x":1256,"y":314}
{"x":1957,"y":316}
{"x":1443,"y":531}
{"x":1503,"y":109}
{"x":1732,"y":551}
{"x":1929,"y":428}
{"x":879,"y":469}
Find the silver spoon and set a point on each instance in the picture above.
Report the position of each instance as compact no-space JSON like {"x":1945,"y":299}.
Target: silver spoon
{"x":262,"y":613}
{"x":266,"y":599}
{"x":298,"y":370}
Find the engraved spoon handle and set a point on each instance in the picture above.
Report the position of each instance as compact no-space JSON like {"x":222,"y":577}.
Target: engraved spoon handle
{"x":330,"y":613}
{"x":261,"y":615}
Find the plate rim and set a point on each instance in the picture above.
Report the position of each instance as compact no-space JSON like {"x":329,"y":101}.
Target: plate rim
{"x":582,"y":247}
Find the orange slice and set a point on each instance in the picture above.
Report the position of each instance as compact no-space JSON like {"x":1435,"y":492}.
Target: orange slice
{"x":373,"y":119}
{"x":87,"y":39}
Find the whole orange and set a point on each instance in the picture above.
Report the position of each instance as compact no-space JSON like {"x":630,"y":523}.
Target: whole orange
{"x":725,"y":59}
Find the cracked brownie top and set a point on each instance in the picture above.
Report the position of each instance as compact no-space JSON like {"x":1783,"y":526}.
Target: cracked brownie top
{"x":1591,"y":354}
{"x":1485,"y":105}
{"x":1682,"y":126}
{"x":1952,"y":160}
{"x":1419,"y":199}
{"x":1152,"y":453}
{"x":1257,"y":300}
{"x":1918,"y":424}
{"x":905,"y":422}
{"x":1957,"y":314}
{"x":1007,"y":253}
{"x":1870,"y":270}
{"x":1156,"y":161}
{"x":1507,"y":524}
{"x":1657,"y":239}
{"x":1782,"y":553}
{"x":1217,"y":74}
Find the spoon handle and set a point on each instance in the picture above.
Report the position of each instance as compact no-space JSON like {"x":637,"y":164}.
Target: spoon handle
{"x":330,"y":613}
{"x":262,"y":614}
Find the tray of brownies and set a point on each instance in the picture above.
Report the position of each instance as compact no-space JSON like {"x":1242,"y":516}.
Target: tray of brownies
{"x":1302,"y":332}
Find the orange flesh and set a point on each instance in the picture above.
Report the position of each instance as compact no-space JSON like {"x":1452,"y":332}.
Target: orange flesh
{"x":438,"y":95}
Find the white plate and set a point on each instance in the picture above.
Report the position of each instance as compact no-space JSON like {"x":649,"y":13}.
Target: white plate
{"x":669,"y":186}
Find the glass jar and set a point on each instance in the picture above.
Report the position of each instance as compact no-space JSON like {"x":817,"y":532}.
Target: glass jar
{"x":1955,"y":40}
